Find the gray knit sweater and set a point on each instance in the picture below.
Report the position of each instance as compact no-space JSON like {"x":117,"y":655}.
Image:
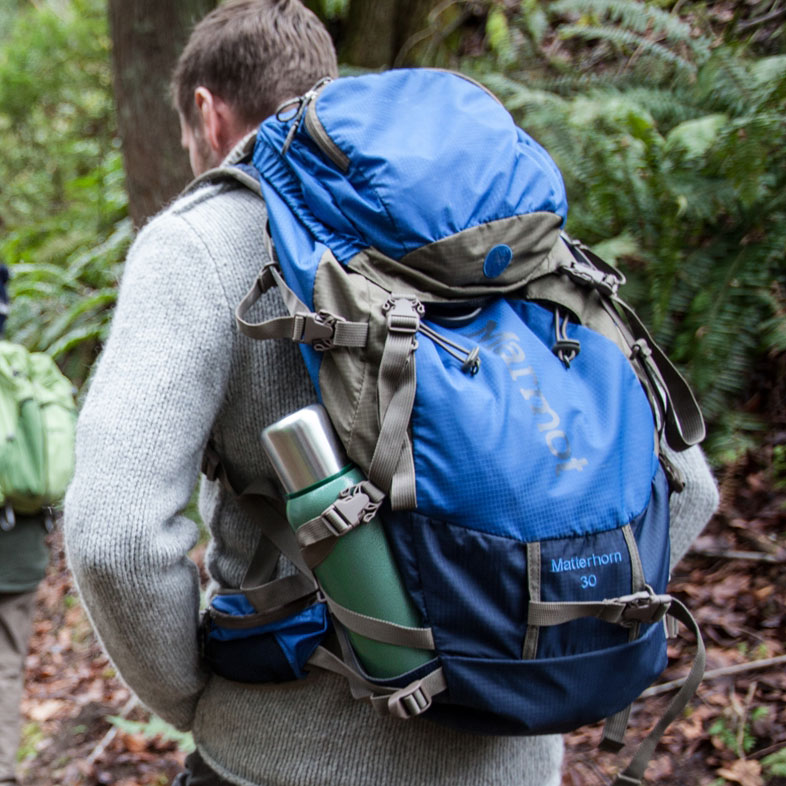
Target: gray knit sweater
{"x":174,"y":372}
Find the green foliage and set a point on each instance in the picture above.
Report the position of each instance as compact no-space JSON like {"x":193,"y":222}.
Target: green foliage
{"x":734,"y":729}
{"x":155,"y":727}
{"x":62,"y":215}
{"x":774,"y":765}
{"x":680,"y":179}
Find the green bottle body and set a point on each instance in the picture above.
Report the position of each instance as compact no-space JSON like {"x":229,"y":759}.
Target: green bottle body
{"x":361,"y":574}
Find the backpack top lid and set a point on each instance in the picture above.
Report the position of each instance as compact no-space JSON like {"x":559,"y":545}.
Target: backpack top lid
{"x":403,"y":159}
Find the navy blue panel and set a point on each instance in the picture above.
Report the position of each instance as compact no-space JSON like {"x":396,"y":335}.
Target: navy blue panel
{"x":255,"y":659}
{"x":591,"y":567}
{"x":595,"y":567}
{"x":652,"y":535}
{"x":560,"y":694}
{"x":296,"y":637}
{"x":470,"y":586}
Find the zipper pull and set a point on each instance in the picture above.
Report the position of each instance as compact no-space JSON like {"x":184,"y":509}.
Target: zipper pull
{"x":301,"y":102}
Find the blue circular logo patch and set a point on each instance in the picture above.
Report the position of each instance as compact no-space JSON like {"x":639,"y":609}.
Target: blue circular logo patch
{"x":497,"y":259}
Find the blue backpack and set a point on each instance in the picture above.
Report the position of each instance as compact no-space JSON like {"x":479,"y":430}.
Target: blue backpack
{"x":506,"y":406}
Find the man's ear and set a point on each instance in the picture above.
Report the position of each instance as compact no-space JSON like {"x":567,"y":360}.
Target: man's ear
{"x":206,"y":105}
{"x":222,"y":127}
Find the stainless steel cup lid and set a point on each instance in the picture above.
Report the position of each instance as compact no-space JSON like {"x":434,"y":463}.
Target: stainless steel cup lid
{"x":304,"y":448}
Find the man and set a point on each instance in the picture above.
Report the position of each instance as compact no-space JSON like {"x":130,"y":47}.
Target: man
{"x":174,"y":374}
{"x":23,"y":560}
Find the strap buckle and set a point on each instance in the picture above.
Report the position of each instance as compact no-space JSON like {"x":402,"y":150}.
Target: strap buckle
{"x":587,"y":275}
{"x":404,"y":313}
{"x":354,"y":506}
{"x":318,"y":330}
{"x":643,"y":606}
{"x":409,"y":702}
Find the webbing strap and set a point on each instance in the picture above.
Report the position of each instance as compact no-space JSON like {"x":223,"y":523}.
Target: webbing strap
{"x":613,"y":739}
{"x":280,"y":592}
{"x":273,"y":601}
{"x":637,"y":580}
{"x":614,"y":728}
{"x":396,"y":395}
{"x":321,"y":330}
{"x":403,"y":703}
{"x":382,"y":630}
{"x":530,"y":648}
{"x":643,"y":606}
{"x":684,"y":421}
{"x":634,"y":772}
{"x":355,"y":506}
{"x":269,"y":513}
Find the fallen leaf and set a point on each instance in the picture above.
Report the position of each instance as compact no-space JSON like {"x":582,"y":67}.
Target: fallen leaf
{"x":45,"y":710}
{"x":744,"y":772}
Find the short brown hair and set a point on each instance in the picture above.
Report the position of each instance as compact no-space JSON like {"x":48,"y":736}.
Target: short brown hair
{"x":253,"y":54}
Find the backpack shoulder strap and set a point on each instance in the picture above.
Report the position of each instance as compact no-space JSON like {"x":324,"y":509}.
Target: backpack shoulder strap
{"x":233,"y":167}
{"x":580,"y":269}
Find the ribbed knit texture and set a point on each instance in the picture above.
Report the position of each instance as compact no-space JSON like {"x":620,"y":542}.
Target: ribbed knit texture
{"x":173,"y":372}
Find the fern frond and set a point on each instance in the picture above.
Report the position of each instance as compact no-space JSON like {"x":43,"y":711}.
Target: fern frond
{"x":639,"y":17}
{"x":629,"y":43}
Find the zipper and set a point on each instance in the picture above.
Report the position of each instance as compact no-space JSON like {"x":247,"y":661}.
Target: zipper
{"x":322,"y":139}
{"x":299,"y":104}
{"x":305,"y":105}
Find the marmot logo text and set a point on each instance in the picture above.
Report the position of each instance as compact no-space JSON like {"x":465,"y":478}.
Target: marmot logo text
{"x":507,"y":346}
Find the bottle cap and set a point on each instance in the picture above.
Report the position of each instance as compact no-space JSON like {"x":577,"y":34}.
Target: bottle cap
{"x":304,"y":448}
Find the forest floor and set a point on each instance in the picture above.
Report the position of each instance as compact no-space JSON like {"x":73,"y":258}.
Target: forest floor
{"x":82,"y":727}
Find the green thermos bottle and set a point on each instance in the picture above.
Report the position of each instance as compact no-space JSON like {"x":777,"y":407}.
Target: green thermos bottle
{"x":360,"y":573}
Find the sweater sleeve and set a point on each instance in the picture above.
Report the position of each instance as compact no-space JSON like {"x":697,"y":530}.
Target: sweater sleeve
{"x":691,"y":509}
{"x":156,"y":392}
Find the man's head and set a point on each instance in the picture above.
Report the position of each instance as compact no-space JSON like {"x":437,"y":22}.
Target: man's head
{"x":241,"y":62}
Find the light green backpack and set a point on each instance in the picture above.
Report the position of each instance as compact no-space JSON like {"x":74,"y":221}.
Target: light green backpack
{"x":37,"y":429}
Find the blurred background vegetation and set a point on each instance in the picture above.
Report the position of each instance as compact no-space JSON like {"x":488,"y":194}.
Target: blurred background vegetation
{"x":668,"y":120}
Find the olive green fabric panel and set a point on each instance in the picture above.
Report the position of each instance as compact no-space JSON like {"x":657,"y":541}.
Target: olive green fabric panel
{"x":347,"y":389}
{"x":452,"y":268}
{"x":583,"y":303}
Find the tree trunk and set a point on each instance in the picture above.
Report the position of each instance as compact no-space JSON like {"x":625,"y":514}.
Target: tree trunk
{"x":412,"y":28}
{"x":147,"y":37}
{"x":382,"y":33}
{"x":370,"y":34}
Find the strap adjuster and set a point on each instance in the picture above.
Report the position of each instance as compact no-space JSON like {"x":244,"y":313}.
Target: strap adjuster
{"x":404,"y":313}
{"x":353,"y":507}
{"x":606,"y":283}
{"x":409,"y":702}
{"x":317,"y":330}
{"x":644,"y":607}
